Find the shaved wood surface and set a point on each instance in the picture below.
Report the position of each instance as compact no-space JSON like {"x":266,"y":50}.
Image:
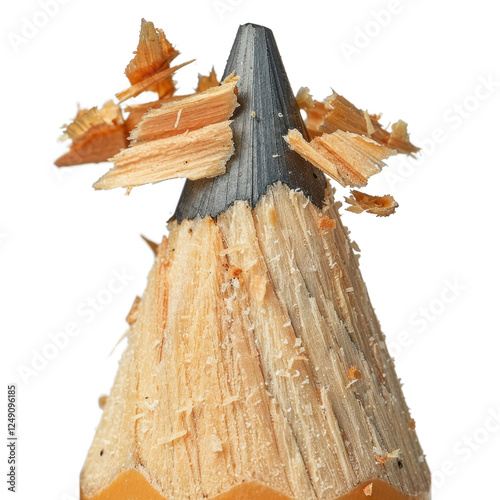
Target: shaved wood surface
{"x":241,"y":362}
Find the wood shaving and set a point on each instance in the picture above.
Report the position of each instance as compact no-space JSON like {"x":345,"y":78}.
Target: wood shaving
{"x":304,"y":98}
{"x":206,"y":82}
{"x":198,"y":154}
{"x":381,"y":206}
{"x":96,"y":135}
{"x":193,"y":112}
{"x":348,"y":158}
{"x":337,"y":113}
{"x":152,"y":58}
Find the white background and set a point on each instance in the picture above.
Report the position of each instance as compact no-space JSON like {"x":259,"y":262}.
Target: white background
{"x":61,"y":242}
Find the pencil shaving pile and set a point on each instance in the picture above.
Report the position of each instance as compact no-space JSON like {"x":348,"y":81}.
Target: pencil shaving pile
{"x":190,"y":136}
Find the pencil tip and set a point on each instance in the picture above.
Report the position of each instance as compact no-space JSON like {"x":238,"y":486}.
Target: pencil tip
{"x":267,"y":111}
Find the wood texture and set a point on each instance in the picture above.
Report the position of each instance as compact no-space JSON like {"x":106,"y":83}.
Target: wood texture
{"x":239,"y":366}
{"x":198,"y":154}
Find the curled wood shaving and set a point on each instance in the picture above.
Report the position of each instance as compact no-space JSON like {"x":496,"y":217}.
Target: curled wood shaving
{"x":152,"y":58}
{"x":96,"y":135}
{"x":197,"y":154}
{"x":381,"y":206}
{"x":206,"y":82}
{"x":337,"y":113}
{"x":348,"y":158}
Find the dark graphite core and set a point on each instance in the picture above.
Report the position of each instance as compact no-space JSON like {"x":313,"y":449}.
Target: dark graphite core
{"x":267,"y":110}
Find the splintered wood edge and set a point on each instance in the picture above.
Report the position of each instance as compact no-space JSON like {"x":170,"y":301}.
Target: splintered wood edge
{"x":132,"y":485}
{"x":199,"y":154}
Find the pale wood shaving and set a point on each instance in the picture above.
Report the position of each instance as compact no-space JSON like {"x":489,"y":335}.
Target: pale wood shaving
{"x":381,"y":206}
{"x":304,"y":98}
{"x":216,"y":104}
{"x":137,"y":111}
{"x":207,"y":81}
{"x":400,"y":139}
{"x":195,"y":155}
{"x":348,"y":158}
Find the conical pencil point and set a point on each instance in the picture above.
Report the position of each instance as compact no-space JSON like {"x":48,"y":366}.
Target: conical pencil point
{"x":267,"y":110}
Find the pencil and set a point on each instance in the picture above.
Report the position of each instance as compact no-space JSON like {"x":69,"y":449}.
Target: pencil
{"x":256,"y":367}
